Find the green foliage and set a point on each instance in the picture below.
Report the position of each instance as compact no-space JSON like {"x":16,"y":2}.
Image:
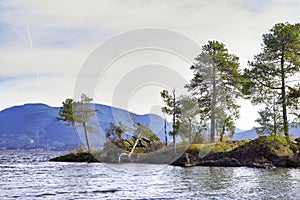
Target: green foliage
{"x":77,"y":112}
{"x":144,"y":131}
{"x":228,"y":126}
{"x":294,"y":102}
{"x":198,"y":139}
{"x":115,"y":132}
{"x":143,"y":140}
{"x":80,"y":113}
{"x":216,"y":147}
{"x":66,"y":112}
{"x":194,"y":147}
{"x":84,"y":110}
{"x":172,"y":108}
{"x":273,"y":141}
{"x":270,"y":121}
{"x":216,"y":85}
{"x":188,"y":122}
{"x":271,"y":72}
{"x":76,"y":157}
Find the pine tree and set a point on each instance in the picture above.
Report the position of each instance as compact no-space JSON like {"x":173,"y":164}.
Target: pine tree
{"x":188,"y":118}
{"x":279,"y":61}
{"x":172,"y":108}
{"x":79,"y":113}
{"x":216,"y":85}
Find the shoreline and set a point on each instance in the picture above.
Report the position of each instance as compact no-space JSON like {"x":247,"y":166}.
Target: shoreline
{"x":263,"y":152}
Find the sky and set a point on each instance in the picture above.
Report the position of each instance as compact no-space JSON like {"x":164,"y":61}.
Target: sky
{"x":44,"y":45}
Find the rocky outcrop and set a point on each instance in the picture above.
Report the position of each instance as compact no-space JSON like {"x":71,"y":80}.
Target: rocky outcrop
{"x":264,"y":152}
{"x":76,"y":157}
{"x":260,"y":153}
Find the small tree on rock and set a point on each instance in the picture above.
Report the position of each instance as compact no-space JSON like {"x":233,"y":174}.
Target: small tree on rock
{"x":172,"y":108}
{"x":79,"y":113}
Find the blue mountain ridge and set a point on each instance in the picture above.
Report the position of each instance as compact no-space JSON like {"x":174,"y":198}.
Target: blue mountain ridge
{"x":251,"y":134}
{"x":35,"y":125}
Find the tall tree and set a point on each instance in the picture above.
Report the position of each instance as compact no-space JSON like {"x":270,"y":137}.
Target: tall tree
{"x":165,"y":128}
{"x":79,"y":113}
{"x":172,"y":108}
{"x":188,"y":118}
{"x":270,"y":121}
{"x":216,"y":85}
{"x":278,"y":63}
{"x":225,"y":125}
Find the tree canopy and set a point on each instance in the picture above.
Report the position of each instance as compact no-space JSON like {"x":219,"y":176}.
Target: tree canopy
{"x":216,"y":85}
{"x":80,"y":113}
{"x":172,"y":108}
{"x":273,"y":70}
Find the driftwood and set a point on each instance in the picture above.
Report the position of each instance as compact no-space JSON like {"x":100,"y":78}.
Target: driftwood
{"x":138,"y":141}
{"x":132,"y":150}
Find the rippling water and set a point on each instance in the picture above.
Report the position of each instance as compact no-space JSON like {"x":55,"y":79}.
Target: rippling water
{"x":29,"y":175}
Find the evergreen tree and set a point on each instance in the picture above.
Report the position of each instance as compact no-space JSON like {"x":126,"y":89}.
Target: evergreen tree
{"x":79,"y":113}
{"x":188,"y":118}
{"x":216,"y":85}
{"x":294,"y":102}
{"x":278,"y":63}
{"x":172,"y":108}
{"x":226,"y":125}
{"x":270,"y":121}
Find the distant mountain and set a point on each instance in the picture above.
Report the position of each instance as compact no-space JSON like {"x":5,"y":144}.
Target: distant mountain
{"x":237,"y":130}
{"x":245,"y":135}
{"x":35,"y":126}
{"x":251,"y":134}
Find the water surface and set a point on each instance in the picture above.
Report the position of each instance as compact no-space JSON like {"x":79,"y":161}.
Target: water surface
{"x":29,"y":175}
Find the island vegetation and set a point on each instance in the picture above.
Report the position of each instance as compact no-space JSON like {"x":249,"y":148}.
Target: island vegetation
{"x":204,"y":121}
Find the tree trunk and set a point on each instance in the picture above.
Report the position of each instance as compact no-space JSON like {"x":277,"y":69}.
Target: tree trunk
{"x":222,"y":133}
{"x":174,"y":137}
{"x":166,"y":137}
{"x":191,"y":131}
{"x":283,"y":96}
{"x":213,"y":105}
{"x":274,"y":119}
{"x":86,"y":137}
{"x":174,"y":120}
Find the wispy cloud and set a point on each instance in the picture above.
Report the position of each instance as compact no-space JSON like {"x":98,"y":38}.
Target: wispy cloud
{"x":44,"y":43}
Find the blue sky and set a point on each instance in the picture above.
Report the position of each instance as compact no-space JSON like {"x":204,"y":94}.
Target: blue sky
{"x":43,"y":44}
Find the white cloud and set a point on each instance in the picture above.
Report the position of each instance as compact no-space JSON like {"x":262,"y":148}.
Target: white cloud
{"x":63,"y":32}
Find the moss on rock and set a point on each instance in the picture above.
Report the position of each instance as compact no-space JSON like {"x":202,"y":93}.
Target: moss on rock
{"x":263,"y":152}
{"x":76,"y":157}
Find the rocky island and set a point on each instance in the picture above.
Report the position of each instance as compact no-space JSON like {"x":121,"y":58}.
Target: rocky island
{"x":263,"y":152}
{"x":210,"y":110}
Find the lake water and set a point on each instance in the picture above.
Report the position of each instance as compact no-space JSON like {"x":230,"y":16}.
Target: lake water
{"x":29,"y":175}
